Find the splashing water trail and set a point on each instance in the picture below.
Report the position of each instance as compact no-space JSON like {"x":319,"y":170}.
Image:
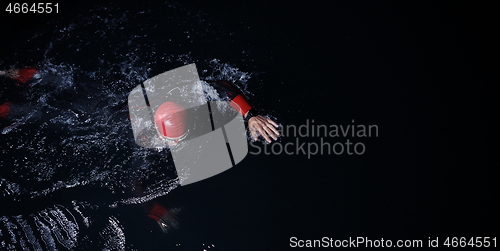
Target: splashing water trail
{"x":71,"y":137}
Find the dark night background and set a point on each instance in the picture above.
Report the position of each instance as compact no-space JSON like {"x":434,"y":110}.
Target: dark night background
{"x":422,"y":71}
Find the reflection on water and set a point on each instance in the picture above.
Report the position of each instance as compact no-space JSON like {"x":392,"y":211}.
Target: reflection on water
{"x":68,"y":154}
{"x":51,"y":229}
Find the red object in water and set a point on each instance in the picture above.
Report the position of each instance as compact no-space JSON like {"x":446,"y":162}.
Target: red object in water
{"x":25,"y":74}
{"x":157,"y":212}
{"x":171,"y":120}
{"x":240,"y":104}
{"x":5,"y":109}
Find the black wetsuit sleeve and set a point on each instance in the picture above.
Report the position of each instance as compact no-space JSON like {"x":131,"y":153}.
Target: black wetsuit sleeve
{"x":231,"y":93}
{"x":226,"y":90}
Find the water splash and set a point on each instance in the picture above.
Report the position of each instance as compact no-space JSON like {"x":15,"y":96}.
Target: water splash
{"x":71,"y":131}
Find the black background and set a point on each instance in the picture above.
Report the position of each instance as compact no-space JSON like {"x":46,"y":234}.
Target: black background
{"x":422,"y":71}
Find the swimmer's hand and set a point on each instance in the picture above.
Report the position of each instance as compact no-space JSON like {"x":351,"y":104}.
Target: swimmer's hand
{"x":260,"y":125}
{"x":11,"y":73}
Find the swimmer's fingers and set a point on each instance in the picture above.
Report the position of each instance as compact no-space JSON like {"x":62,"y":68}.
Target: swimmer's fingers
{"x":264,"y":134}
{"x":269,"y":132}
{"x":272,"y":125}
{"x":270,"y":121}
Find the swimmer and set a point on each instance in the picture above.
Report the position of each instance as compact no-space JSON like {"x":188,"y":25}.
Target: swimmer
{"x":171,"y":118}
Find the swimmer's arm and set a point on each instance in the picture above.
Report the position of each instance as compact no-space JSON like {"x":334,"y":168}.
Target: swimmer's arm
{"x":257,"y":124}
{"x":11,"y":73}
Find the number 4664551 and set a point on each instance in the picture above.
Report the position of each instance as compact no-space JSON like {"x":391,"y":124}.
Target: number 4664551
{"x":33,"y":8}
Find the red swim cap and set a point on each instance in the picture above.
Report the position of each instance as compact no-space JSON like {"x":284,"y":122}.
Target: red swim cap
{"x":171,"y":120}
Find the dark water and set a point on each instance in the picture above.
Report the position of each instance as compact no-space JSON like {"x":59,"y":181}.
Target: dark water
{"x":72,"y":179}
